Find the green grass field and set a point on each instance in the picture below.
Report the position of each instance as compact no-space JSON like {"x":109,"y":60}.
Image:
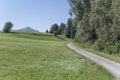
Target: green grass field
{"x":40,"y":56}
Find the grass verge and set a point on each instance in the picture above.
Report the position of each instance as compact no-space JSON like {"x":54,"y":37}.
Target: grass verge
{"x":115,"y":57}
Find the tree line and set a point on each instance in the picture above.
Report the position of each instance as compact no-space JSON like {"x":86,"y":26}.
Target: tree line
{"x":68,"y":29}
{"x":98,"y":24}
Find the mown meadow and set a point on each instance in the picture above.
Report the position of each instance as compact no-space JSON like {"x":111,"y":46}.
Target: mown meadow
{"x":42,"y":56}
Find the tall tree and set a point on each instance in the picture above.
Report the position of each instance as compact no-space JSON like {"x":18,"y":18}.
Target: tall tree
{"x":77,"y":8}
{"x":61,"y":29}
{"x":7,"y":27}
{"x":68,"y":29}
{"x":54,"y":28}
{"x":99,"y":22}
{"x":71,"y":29}
{"x":47,"y":31}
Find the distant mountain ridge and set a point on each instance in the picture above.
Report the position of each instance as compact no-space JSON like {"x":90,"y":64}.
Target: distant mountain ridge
{"x":29,"y":29}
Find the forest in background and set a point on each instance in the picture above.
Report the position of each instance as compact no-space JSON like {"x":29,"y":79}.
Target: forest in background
{"x":98,"y":24}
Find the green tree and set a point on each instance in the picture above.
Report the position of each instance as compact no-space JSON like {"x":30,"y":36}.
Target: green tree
{"x":55,"y":33}
{"x":99,"y":22}
{"x":68,"y":29}
{"x":61,"y":29}
{"x":73,"y":32}
{"x":7,"y":27}
{"x":54,"y":28}
{"x":77,"y":8}
{"x":47,"y":31}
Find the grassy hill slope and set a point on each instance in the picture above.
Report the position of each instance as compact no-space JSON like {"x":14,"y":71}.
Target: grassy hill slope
{"x":41,"y":56}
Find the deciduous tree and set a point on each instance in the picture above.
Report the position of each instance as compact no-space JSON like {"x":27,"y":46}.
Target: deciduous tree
{"x":7,"y":27}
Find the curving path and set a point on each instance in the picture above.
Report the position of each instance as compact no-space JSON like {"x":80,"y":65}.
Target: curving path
{"x":112,"y":66}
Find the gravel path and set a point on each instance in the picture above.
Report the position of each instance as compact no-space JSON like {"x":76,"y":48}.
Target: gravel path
{"x":112,"y":66}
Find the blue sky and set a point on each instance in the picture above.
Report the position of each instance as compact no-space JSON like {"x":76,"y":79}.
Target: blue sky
{"x":38,"y":14}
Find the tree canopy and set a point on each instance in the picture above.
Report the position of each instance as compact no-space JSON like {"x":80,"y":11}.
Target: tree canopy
{"x":61,"y":29}
{"x":7,"y":27}
{"x":99,"y":23}
{"x":54,"y":28}
{"x":71,"y":29}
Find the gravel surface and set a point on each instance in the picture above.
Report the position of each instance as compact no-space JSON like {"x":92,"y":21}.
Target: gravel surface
{"x":112,"y":66}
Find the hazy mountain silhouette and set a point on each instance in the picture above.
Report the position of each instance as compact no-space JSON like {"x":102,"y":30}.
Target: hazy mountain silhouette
{"x":29,"y":29}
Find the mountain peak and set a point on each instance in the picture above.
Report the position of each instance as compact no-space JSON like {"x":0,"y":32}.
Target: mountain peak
{"x":29,"y":29}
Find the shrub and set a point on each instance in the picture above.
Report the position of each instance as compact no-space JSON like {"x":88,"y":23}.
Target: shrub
{"x":99,"y":45}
